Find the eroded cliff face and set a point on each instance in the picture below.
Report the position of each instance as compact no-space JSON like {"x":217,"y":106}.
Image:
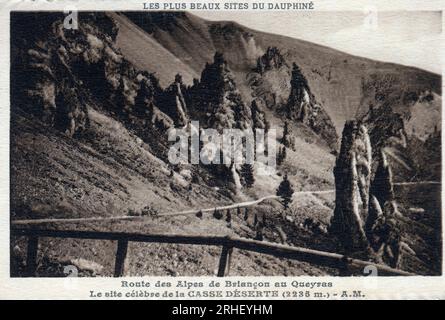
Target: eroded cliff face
{"x":269,"y":81}
{"x":216,"y":102}
{"x":173,"y":102}
{"x":302,"y":106}
{"x":272,"y":59}
{"x":414,"y":153}
{"x":60,"y":74}
{"x":283,"y":88}
{"x":51,"y":67}
{"x":63,"y":72}
{"x":365,"y":216}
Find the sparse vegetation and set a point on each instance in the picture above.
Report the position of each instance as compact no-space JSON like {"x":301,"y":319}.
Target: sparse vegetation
{"x":228,"y":216}
{"x":287,"y":139}
{"x":145,"y":211}
{"x":247,"y":175}
{"x":285,"y":191}
{"x":281,"y":156}
{"x":217,"y":214}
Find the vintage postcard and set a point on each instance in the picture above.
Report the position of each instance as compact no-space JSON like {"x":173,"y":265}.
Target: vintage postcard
{"x":221,"y":150}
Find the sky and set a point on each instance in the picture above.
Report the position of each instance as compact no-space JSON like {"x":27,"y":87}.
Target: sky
{"x":407,"y":37}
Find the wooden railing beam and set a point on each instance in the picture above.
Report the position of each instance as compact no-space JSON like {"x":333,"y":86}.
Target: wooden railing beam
{"x":333,"y":260}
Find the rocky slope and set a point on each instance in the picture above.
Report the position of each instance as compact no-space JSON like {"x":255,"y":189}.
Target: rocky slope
{"x":101,"y":121}
{"x":346,"y":87}
{"x":302,"y":106}
{"x":216,"y":100}
{"x":61,"y":77}
{"x":90,"y":111}
{"x":343,"y":84}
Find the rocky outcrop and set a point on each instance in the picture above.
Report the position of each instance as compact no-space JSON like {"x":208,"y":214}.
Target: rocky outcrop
{"x":417,"y":154}
{"x":63,"y":73}
{"x":258,"y":116}
{"x":217,"y":103}
{"x":352,"y":174}
{"x":366,"y":216}
{"x":385,"y":127}
{"x":272,"y":59}
{"x":216,"y":99}
{"x":269,"y":80}
{"x":381,"y":186}
{"x":382,"y":227}
{"x":48,"y":66}
{"x":303,"y":107}
{"x":293,"y":98}
{"x":173,"y":103}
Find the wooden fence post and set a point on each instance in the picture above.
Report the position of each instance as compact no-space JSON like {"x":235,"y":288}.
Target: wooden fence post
{"x":121,"y":254}
{"x":229,"y":260}
{"x":31,"y":257}
{"x":344,"y":268}
{"x":224,"y":261}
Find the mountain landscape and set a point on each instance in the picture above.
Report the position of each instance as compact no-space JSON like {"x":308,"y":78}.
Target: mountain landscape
{"x":359,"y":141}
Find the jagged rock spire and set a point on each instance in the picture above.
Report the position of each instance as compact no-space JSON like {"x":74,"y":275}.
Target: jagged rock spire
{"x":303,"y":107}
{"x":144,"y":99}
{"x":352,"y":178}
{"x":381,"y":186}
{"x":299,"y":98}
{"x":172,"y":101}
{"x":300,"y":91}
{"x":217,"y":99}
{"x":382,"y":227}
{"x":272,"y":59}
{"x":365,"y":215}
{"x":382,"y":192}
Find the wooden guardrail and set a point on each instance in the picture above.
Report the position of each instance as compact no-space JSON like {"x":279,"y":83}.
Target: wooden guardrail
{"x":333,"y":260}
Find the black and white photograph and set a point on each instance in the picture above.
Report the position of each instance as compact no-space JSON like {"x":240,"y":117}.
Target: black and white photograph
{"x":225,"y":143}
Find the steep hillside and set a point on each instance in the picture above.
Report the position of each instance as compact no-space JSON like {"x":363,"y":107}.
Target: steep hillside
{"x":91,"y":110}
{"x":87,"y":134}
{"x":108,"y":171}
{"x":146,"y":53}
{"x":344,"y":84}
{"x":77,"y":86}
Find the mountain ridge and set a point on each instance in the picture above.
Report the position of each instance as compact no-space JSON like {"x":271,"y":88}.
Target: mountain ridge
{"x":325,"y":75}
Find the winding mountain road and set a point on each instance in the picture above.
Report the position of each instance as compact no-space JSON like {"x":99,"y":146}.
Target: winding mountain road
{"x":177,"y":213}
{"x":191,"y":211}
